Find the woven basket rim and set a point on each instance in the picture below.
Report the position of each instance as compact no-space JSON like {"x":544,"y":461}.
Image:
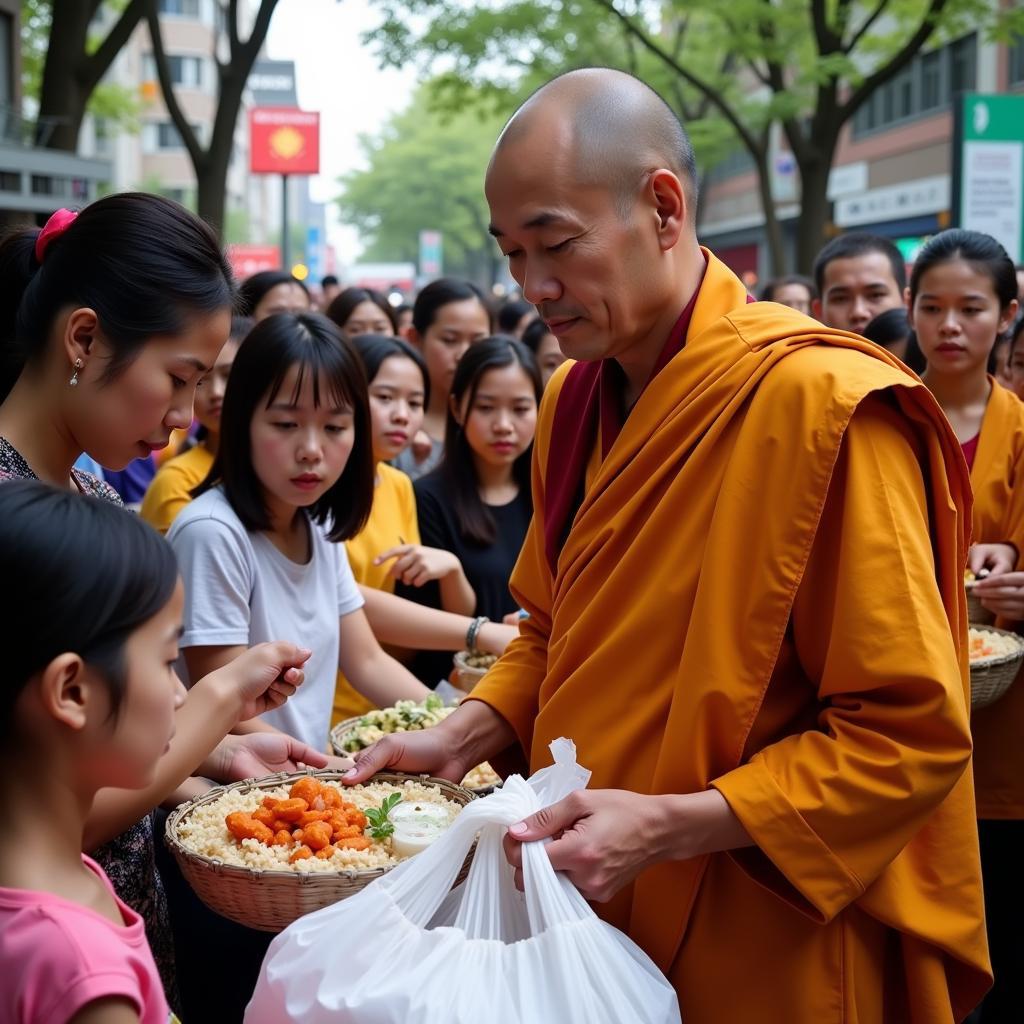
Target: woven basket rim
{"x":283,"y":778}
{"x":999,"y":659}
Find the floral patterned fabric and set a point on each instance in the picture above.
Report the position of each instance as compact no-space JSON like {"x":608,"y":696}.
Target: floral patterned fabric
{"x":128,"y":860}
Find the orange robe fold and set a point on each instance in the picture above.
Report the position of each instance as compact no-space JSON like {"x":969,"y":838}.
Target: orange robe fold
{"x":762,"y":591}
{"x":998,"y":481}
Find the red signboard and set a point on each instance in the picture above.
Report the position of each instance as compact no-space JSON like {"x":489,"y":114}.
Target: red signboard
{"x":283,"y":141}
{"x":247,"y":260}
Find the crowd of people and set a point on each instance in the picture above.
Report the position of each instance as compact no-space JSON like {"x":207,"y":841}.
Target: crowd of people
{"x":350,"y":494}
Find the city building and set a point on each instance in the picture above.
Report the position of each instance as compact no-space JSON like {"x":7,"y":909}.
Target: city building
{"x":34,"y":181}
{"x":894,"y":164}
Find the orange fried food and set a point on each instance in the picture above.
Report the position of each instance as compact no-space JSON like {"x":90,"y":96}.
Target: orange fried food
{"x":245,"y":826}
{"x":355,"y":843}
{"x":280,"y":823}
{"x":293,"y":809}
{"x":297,"y":834}
{"x":302,"y":853}
{"x":308,"y":817}
{"x":358,"y":818}
{"x":266,"y":816}
{"x":270,"y":802}
{"x":306,"y":788}
{"x":326,"y":853}
{"x":317,"y":835}
{"x":347,"y":832}
{"x":282,"y":838}
{"x":331,"y":797}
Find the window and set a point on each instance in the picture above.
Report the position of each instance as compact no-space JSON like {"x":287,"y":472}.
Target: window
{"x":47,"y":185}
{"x":164,"y":137}
{"x":1017,"y":61}
{"x":185,"y":71}
{"x":931,"y":80}
{"x":180,"y":8}
{"x":10,"y":181}
{"x":926,"y":85}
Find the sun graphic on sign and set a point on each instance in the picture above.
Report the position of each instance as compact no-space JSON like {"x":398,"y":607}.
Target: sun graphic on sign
{"x":287,"y":143}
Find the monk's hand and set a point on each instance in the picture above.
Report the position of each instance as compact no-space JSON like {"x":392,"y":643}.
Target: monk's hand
{"x":434,"y":751}
{"x":991,"y":560}
{"x":1002,"y":594}
{"x":602,"y":839}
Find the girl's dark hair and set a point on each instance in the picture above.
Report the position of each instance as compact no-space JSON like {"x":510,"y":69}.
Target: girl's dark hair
{"x":458,"y":468}
{"x":440,"y":293}
{"x":344,"y":303}
{"x":88,"y":575}
{"x":373,"y":349}
{"x":240,"y":327}
{"x":511,"y":313}
{"x":981,"y":251}
{"x":276,"y":344}
{"x":142,"y":262}
{"x":252,"y":289}
{"x":536,"y":331}
{"x":888,"y":327}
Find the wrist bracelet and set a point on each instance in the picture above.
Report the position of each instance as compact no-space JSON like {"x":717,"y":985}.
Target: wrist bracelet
{"x":474,"y":631}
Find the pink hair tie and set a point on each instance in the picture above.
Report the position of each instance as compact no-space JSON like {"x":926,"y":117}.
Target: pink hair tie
{"x":56,"y":225}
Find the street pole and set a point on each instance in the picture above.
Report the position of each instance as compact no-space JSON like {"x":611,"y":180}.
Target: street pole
{"x":286,"y":256}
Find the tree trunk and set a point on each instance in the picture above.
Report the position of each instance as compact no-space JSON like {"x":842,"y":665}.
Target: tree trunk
{"x":62,"y":96}
{"x":211,"y":185}
{"x":814,"y":206}
{"x":772,"y":226}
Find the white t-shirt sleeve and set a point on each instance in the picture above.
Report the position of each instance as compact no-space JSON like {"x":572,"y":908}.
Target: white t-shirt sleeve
{"x":349,"y":598}
{"x":217,"y":570}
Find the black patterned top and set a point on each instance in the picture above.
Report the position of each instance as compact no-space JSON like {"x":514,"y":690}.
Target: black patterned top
{"x":129,"y":860}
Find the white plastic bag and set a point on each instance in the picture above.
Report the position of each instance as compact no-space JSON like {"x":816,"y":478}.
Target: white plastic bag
{"x":406,"y":950}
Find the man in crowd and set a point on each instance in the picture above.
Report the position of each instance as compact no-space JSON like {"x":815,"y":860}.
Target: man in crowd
{"x":857,"y":276}
{"x":745,"y":596}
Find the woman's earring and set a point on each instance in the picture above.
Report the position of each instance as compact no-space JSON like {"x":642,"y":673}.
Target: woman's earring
{"x":74,"y":377}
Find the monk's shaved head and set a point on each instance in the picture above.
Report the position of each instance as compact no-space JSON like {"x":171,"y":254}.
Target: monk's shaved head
{"x":615,"y":129}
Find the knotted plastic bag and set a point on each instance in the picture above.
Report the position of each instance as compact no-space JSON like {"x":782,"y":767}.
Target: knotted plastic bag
{"x":410,"y":950}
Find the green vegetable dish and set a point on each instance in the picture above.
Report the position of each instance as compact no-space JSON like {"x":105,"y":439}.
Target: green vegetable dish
{"x":405,"y":716}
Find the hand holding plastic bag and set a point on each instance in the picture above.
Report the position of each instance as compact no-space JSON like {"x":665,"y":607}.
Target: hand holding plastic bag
{"x":407,"y":950}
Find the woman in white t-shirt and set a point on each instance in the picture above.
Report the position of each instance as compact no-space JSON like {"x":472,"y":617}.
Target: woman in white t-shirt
{"x":259,"y":548}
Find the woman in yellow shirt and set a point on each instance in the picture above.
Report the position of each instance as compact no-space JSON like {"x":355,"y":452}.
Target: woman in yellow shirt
{"x":171,"y":488}
{"x":388,"y":548}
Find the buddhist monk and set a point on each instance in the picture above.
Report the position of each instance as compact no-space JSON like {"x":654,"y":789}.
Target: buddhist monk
{"x":857,"y":276}
{"x":962,"y":298}
{"x":744,"y":582}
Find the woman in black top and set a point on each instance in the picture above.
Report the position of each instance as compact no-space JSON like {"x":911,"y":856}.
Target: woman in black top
{"x":476,"y":504}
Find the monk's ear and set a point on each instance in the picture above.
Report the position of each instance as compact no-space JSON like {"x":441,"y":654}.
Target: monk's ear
{"x":671,"y":205}
{"x":816,"y":309}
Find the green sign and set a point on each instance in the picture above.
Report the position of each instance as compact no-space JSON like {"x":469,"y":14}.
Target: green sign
{"x":991,"y":168}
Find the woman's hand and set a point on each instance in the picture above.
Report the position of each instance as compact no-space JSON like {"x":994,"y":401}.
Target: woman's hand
{"x":415,"y":565}
{"x":1002,"y":594}
{"x":263,"y":753}
{"x":262,"y":678}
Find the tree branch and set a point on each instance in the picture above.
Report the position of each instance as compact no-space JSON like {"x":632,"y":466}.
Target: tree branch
{"x":862,"y":31}
{"x":896,"y":64}
{"x":250,"y":50}
{"x":188,"y":136}
{"x":96,"y":65}
{"x":753,"y":144}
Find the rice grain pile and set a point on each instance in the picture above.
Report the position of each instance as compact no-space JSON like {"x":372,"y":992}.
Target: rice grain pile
{"x":203,"y":830}
{"x":986,"y":644}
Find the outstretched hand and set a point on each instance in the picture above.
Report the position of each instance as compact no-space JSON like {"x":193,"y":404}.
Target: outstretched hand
{"x":263,"y":753}
{"x":264,"y":676}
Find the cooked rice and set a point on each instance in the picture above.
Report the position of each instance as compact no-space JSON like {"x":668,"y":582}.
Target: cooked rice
{"x":482,"y":776}
{"x":203,"y":830}
{"x":985,"y":644}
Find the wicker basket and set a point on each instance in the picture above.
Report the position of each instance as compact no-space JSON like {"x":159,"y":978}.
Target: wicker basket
{"x":338,"y":733}
{"x":977,"y":614}
{"x":270,"y":900}
{"x":466,"y":676}
{"x":991,"y":678}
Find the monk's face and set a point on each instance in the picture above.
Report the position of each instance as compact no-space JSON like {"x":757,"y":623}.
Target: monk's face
{"x":855,"y":290}
{"x":595,"y":272}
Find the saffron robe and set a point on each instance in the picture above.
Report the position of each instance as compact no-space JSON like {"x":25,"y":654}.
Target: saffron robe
{"x":762,"y":591}
{"x":997,"y":478}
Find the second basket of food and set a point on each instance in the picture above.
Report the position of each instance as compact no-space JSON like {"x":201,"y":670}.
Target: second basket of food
{"x":996,"y":658}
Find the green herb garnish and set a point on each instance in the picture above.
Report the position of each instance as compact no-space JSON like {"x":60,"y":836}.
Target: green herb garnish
{"x":380,"y":825}
{"x":433,"y":703}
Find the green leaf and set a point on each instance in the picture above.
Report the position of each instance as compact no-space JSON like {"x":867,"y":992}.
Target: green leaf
{"x":378,"y":817}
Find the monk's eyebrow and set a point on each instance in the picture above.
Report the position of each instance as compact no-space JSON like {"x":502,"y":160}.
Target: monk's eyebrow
{"x":540,"y":220}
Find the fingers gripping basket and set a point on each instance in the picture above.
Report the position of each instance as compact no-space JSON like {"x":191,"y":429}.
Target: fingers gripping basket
{"x":270,"y":900}
{"x":992,"y":677}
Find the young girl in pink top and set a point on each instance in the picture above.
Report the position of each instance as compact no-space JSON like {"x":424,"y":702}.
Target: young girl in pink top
{"x":87,"y":702}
